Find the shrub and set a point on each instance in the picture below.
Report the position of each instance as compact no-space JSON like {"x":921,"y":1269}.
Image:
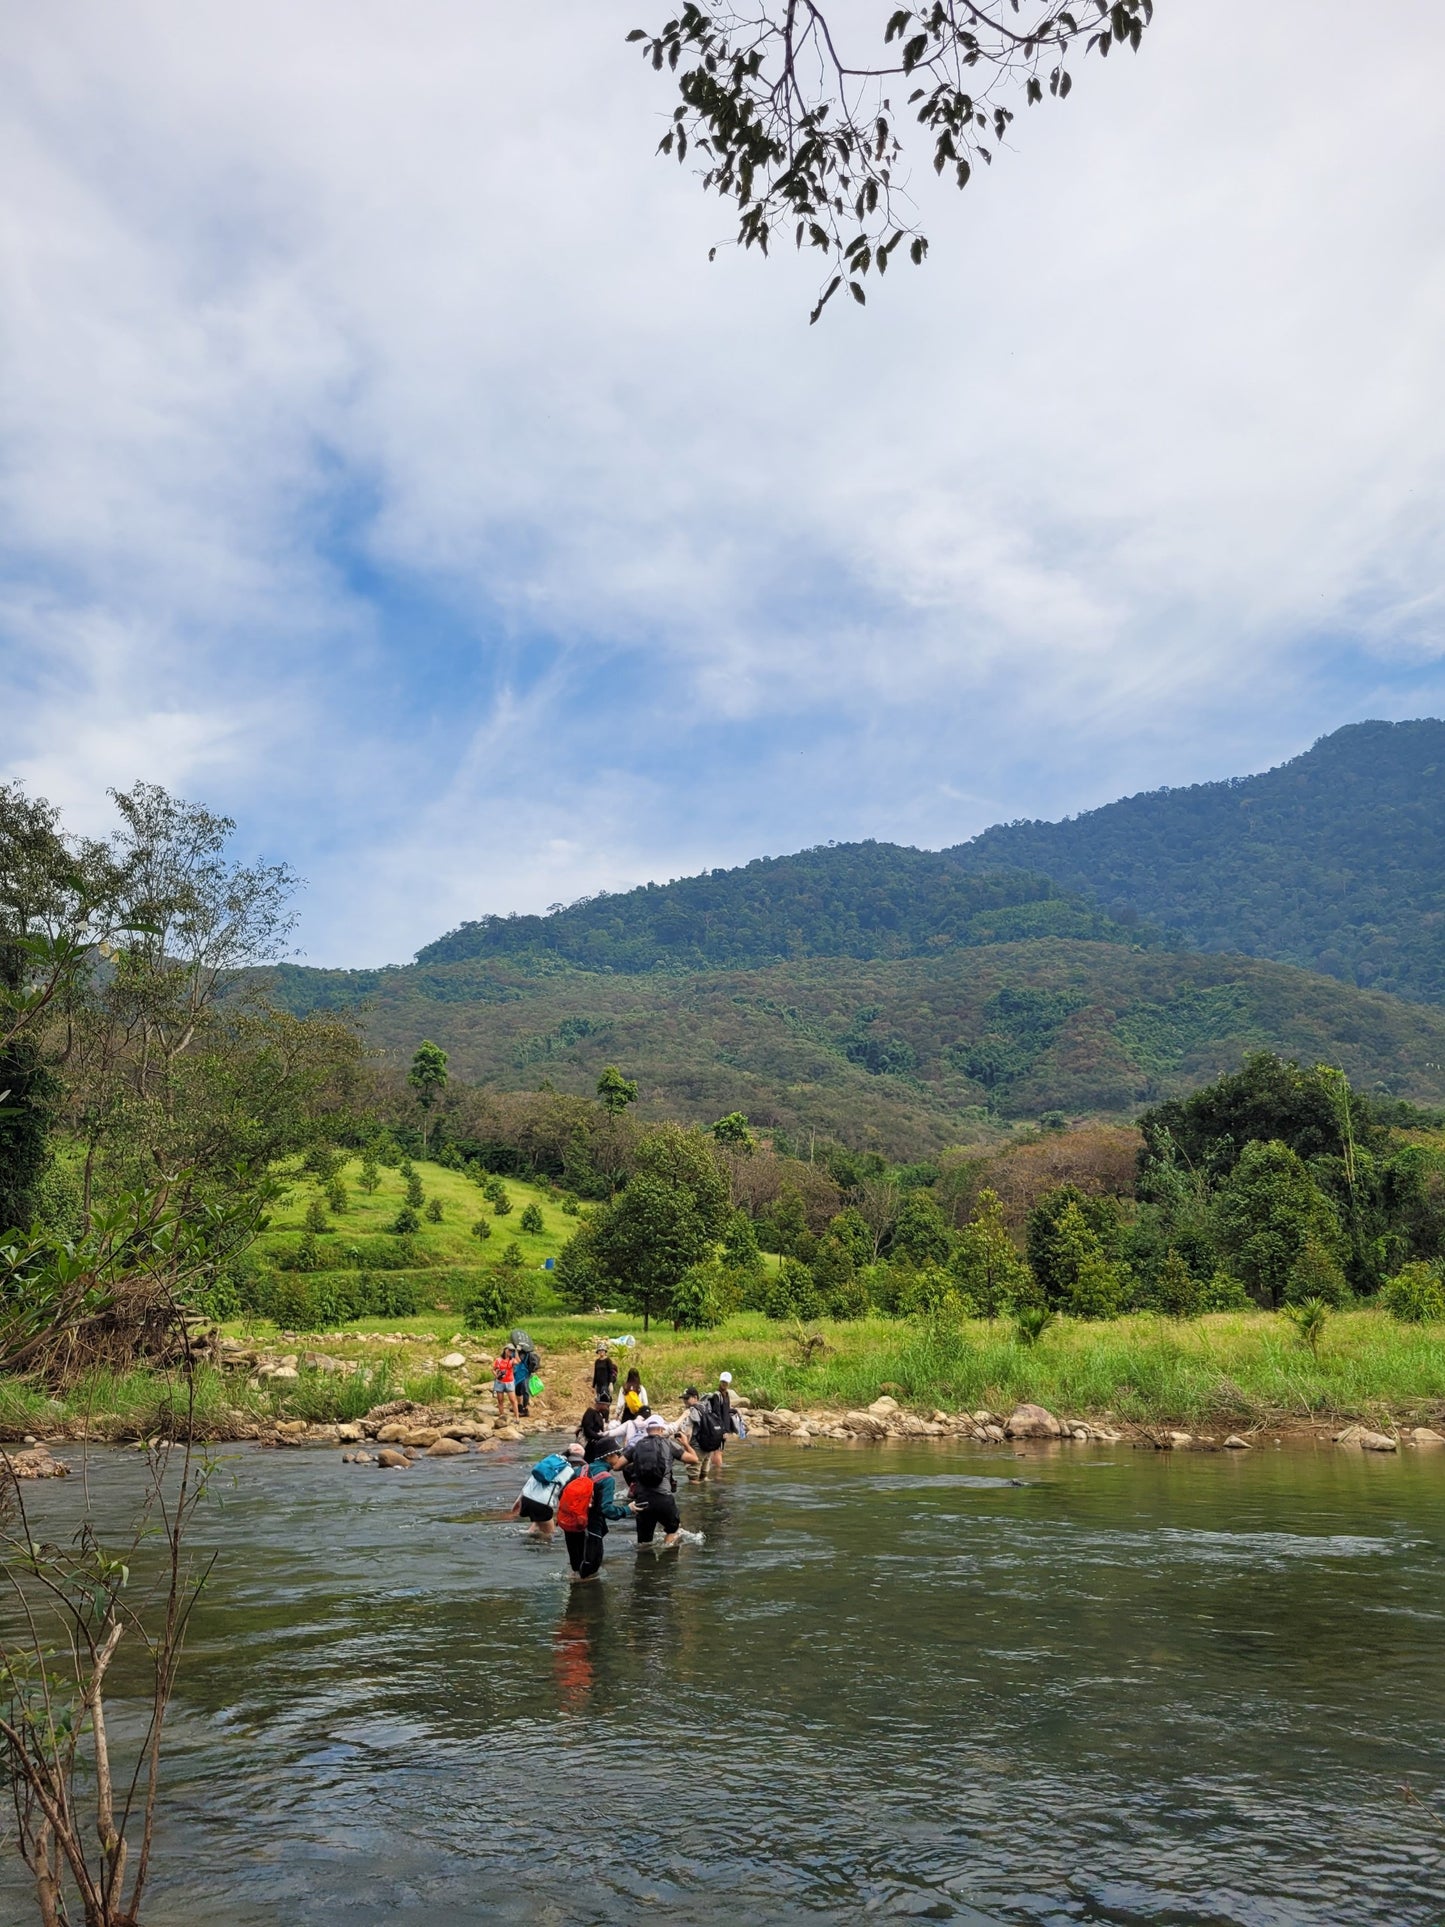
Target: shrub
{"x":792,"y":1293}
{"x":1315,"y":1277}
{"x":316,"y":1216}
{"x":482,"y":1228}
{"x":848,"y":1299}
{"x":571,"y":1208}
{"x":406,"y":1222}
{"x":1031,"y":1322}
{"x":488,"y":1306}
{"x":370,"y":1178}
{"x":531,"y":1221}
{"x":415,"y":1196}
{"x":308,"y":1256}
{"x":337,"y":1199}
{"x":501,"y":1203}
{"x":434,"y":1212}
{"x":406,"y":1168}
{"x":512,"y":1257}
{"x":696,"y":1303}
{"x":1415,"y":1295}
{"x":1175,"y":1293}
{"x":1225,"y":1293}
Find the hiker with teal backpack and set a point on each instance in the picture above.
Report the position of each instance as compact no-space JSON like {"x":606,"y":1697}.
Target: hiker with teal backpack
{"x":542,"y":1493}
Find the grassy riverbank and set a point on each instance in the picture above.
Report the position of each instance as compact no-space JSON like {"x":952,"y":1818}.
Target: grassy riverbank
{"x":1229,"y":1370}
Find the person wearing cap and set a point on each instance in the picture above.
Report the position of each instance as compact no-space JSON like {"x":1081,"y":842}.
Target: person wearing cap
{"x":711,"y":1431}
{"x":593,"y":1423}
{"x":604,"y":1372}
{"x":648,"y":1468}
{"x":537,"y":1503}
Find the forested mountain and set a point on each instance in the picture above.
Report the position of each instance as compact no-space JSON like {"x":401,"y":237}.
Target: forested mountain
{"x":1335,"y":860}
{"x":902,"y":1055}
{"x":846,"y":900}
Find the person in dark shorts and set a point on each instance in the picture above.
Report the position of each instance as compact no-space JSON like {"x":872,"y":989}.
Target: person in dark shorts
{"x":582,"y":1516}
{"x":594,"y":1423}
{"x":649,"y":1465}
{"x":549,"y":1477}
{"x":604,"y":1373}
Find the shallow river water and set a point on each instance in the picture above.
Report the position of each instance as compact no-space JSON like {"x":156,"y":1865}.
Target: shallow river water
{"x":912,"y":1682}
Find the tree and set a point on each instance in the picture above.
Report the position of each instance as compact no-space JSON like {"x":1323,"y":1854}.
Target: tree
{"x":1266,"y":1214}
{"x":733,"y":1131}
{"x":696,"y":1303}
{"x":1315,"y":1277}
{"x":415,"y":1195}
{"x":531,"y":1221}
{"x":501,"y":1201}
{"x":316,"y":1216}
{"x":337,"y":1197}
{"x":406,"y":1222}
{"x":667,"y":1220}
{"x":1054,"y":1257}
{"x":428,"y":1078}
{"x":1176,"y":1293}
{"x":796,"y":126}
{"x":989,"y":1271}
{"x":370,"y":1177}
{"x":434,"y":1211}
{"x":919,"y":1234}
{"x":1416,"y":1295}
{"x":482,"y":1229}
{"x":785,"y":1226}
{"x":615,"y":1092}
{"x":1084,"y":1282}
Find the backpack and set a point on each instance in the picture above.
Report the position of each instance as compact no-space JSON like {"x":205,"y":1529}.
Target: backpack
{"x":707,"y":1434}
{"x":547,"y":1471}
{"x":652,"y":1462}
{"x":575,"y":1504}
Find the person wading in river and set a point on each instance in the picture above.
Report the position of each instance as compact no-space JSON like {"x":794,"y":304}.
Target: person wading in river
{"x":710,"y":1432}
{"x":648,"y":1465}
{"x":594,"y":1423}
{"x":548,"y":1480}
{"x":582,"y":1515}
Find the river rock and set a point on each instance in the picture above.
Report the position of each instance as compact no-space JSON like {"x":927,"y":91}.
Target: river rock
{"x":990,"y":1434}
{"x":1179,"y":1441}
{"x":453,"y":1362}
{"x":392,"y":1461}
{"x":1426,"y":1435}
{"x":464,"y":1428}
{"x":1234,"y":1443}
{"x":36,"y":1462}
{"x":866,"y":1425}
{"x":392,"y":1434}
{"x":509,"y":1432}
{"x":1378,"y":1442}
{"x":320,"y":1362}
{"x":350,"y":1433}
{"x":445,"y":1448}
{"x":421,"y":1436}
{"x":984,"y":1418}
{"x":884,"y":1407}
{"x":1032,"y":1422}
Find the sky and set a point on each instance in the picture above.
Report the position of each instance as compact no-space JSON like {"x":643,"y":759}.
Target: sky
{"x":384,"y":463}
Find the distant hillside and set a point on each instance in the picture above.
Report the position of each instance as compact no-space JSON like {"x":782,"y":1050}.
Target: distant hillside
{"x":859,"y":900}
{"x":903,"y":1055}
{"x":1335,"y":861}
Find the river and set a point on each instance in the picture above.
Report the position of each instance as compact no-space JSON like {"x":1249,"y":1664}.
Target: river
{"x":916,"y":1682}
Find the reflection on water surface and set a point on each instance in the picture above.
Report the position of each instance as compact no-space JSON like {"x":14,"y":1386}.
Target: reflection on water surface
{"x":919,"y":1682}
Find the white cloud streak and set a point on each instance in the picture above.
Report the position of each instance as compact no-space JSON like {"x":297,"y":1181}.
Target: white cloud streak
{"x":381,"y":460}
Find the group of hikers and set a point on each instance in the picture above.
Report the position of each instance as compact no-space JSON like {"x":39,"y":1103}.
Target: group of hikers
{"x":623,"y":1464}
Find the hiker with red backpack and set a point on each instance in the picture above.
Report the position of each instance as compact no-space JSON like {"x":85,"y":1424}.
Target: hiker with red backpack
{"x":582,"y":1512}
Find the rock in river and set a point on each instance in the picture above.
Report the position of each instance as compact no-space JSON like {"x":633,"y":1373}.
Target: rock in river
{"x":1032,"y":1422}
{"x":446,"y":1449}
{"x":392,"y":1461}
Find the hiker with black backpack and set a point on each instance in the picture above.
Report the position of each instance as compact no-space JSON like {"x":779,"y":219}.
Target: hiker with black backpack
{"x":648,"y":1467}
{"x":698,"y":1429}
{"x":710,"y":1432}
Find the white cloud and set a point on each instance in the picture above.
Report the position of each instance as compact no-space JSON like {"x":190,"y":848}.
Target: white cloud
{"x":381,"y":459}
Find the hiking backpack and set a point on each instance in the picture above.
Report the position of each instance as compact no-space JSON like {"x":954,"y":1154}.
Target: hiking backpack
{"x":707,"y":1434}
{"x":652,"y":1462}
{"x":575,"y":1504}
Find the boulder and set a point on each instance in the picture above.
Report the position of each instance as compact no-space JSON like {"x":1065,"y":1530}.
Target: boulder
{"x":1179,"y":1441}
{"x":464,"y":1428}
{"x":392,"y":1461}
{"x":1032,"y":1422}
{"x":884,"y":1407}
{"x":35,"y":1463}
{"x":509,"y":1432}
{"x":1234,"y":1443}
{"x":294,"y":1426}
{"x":320,"y":1362}
{"x":867,"y":1425}
{"x":453,"y":1362}
{"x":1425,"y":1435}
{"x":392,"y":1434}
{"x":421,"y":1436}
{"x":1378,"y":1442}
{"x":984,"y":1418}
{"x":990,"y":1434}
{"x":445,"y":1448}
{"x":350,"y":1434}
